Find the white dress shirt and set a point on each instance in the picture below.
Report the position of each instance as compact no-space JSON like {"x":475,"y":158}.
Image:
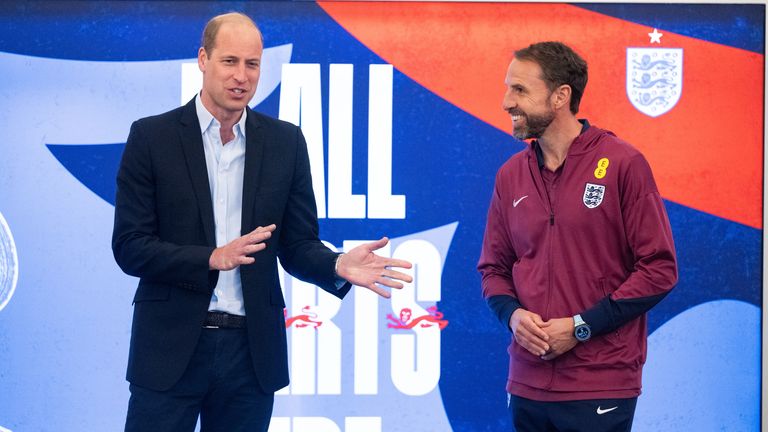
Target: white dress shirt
{"x":226,"y":165}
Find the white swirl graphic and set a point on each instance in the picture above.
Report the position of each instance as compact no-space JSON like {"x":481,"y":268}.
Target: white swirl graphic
{"x":9,"y":264}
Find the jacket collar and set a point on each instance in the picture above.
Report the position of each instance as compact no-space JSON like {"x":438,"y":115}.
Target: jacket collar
{"x":192,"y":143}
{"x":587,"y":139}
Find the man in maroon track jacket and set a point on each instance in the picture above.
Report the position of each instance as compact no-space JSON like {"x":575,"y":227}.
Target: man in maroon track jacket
{"x":577,"y":249}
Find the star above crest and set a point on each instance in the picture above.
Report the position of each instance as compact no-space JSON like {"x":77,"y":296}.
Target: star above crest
{"x":655,"y":36}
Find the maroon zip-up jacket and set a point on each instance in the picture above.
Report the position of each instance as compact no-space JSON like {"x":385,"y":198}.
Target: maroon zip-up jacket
{"x":598,"y":243}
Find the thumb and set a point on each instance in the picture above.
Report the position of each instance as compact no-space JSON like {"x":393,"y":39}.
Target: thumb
{"x":538,"y":321}
{"x":378,"y":244}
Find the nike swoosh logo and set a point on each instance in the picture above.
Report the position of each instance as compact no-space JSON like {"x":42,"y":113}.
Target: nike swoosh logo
{"x":517,"y":201}
{"x":601,"y":411}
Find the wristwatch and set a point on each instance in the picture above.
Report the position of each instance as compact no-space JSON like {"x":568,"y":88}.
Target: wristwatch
{"x":581,"y":330}
{"x":336,"y":265}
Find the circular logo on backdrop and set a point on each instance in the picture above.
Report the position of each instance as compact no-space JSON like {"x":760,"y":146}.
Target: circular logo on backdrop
{"x":9,"y":263}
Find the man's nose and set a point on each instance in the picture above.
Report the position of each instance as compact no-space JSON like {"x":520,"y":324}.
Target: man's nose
{"x":509,"y":101}
{"x":240,"y":75}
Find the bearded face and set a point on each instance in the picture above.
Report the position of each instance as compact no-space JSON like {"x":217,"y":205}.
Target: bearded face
{"x":530,"y":126}
{"x":528,"y":100}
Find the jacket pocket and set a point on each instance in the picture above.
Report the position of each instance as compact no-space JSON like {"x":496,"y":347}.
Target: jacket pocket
{"x":275,"y":291}
{"x":613,"y":336}
{"x":276,"y":296}
{"x":151,"y":292}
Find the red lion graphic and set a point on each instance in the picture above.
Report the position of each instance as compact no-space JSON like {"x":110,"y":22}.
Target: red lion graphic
{"x":307,"y":319}
{"x":433,"y":317}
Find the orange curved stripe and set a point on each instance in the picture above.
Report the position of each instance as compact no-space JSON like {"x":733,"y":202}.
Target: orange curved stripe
{"x":706,"y":152}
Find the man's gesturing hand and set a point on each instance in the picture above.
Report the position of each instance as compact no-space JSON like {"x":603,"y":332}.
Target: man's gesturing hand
{"x":235,"y":253}
{"x":364,"y":268}
{"x":528,"y":330}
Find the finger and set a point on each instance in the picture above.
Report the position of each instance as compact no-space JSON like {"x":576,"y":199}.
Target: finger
{"x":534,"y":342}
{"x":534,"y":329}
{"x":391,"y":262}
{"x":541,"y":346}
{"x":261,"y":230}
{"x":247,"y":260}
{"x":389,"y":282}
{"x":392,"y":274}
{"x":378,"y":290}
{"x":258,"y":237}
{"x":536,"y":319}
{"x":268,"y":228}
{"x":549,"y":356}
{"x":378,"y":244}
{"x":532,"y":348}
{"x":253,"y":248}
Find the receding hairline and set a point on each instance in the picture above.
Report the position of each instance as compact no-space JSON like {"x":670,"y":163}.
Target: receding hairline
{"x":213,"y":26}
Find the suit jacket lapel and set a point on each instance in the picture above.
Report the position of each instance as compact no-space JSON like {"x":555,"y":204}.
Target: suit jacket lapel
{"x":254,"y":152}
{"x":192,"y":143}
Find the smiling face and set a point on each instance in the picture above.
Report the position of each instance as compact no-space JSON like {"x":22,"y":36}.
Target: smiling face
{"x":527,"y":99}
{"x":231,"y":69}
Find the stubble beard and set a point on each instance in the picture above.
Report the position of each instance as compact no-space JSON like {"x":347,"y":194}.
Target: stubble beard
{"x":535,"y":126}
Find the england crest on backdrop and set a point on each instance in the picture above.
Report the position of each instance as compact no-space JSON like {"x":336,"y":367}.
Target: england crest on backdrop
{"x":654,"y":79}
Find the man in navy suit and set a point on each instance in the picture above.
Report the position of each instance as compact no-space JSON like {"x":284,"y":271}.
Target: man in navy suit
{"x":209,"y":196}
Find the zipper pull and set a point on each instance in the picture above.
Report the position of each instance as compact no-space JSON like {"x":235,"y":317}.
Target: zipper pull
{"x":551,"y":219}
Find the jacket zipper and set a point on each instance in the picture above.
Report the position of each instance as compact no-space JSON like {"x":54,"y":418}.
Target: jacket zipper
{"x":549,"y":276}
{"x":551,"y":201}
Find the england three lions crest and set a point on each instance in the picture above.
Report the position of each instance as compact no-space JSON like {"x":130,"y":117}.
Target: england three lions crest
{"x":593,"y":195}
{"x":654,"y":79}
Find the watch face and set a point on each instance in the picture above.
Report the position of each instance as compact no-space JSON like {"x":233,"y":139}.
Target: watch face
{"x":583,"y":332}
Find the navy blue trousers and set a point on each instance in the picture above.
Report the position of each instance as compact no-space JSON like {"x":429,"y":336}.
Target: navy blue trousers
{"x":595,"y":415}
{"x":219,"y":386}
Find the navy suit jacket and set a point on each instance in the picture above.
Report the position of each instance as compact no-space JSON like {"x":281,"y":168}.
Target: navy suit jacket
{"x":164,"y":235}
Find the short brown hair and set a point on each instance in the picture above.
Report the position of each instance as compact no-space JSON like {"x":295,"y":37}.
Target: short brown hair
{"x":211,"y":29}
{"x":559,"y":65}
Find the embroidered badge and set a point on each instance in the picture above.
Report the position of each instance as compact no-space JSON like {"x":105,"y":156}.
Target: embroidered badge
{"x":593,"y":195}
{"x":602,"y":168}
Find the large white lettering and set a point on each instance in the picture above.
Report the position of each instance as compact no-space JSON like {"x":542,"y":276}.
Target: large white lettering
{"x":416,"y":357}
{"x":366,"y":333}
{"x":381,"y":203}
{"x":301,"y":104}
{"x":323,"y":424}
{"x":315,"y":357}
{"x":316,"y":353}
{"x":341,"y":202}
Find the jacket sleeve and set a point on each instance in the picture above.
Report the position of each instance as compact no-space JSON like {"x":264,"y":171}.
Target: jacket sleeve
{"x":301,"y":252}
{"x":496,"y":261}
{"x":136,"y":245}
{"x":649,"y":237}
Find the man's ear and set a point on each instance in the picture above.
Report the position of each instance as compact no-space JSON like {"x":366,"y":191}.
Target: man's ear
{"x":202,"y":58}
{"x":561,"y":97}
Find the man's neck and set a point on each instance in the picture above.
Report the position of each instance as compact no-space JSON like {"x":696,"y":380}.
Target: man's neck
{"x":226,"y":119}
{"x":557,"y":140}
